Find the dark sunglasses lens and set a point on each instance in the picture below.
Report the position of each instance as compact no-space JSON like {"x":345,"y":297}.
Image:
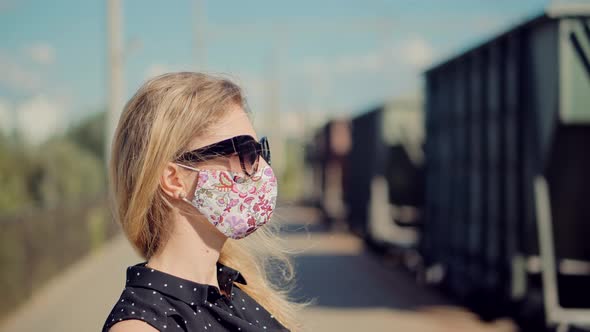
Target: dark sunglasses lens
{"x":265,"y":149}
{"x":249,"y":157}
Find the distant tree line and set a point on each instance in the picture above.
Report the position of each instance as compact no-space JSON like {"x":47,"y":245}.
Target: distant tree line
{"x":68,"y":167}
{"x":53,"y":206}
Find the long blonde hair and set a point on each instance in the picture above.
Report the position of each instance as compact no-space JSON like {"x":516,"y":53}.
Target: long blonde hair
{"x":156,"y":125}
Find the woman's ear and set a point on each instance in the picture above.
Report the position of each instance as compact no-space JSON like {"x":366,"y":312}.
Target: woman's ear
{"x":172,"y":181}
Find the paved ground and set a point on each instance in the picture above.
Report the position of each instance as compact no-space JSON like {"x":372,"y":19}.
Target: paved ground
{"x":352,"y":288}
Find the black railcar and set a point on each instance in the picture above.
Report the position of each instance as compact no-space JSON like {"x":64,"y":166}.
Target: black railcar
{"x":507,"y":129}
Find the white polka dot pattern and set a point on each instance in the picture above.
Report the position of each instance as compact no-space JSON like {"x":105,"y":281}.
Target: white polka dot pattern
{"x":170,"y":303}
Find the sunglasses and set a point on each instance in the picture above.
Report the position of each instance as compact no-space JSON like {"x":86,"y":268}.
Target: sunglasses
{"x":247,"y":148}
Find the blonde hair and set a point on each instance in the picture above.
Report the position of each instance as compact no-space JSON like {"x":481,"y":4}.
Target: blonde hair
{"x":156,"y":125}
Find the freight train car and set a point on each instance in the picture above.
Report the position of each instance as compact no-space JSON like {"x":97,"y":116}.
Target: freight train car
{"x":327,"y":155}
{"x":383,"y":190}
{"x":508,"y":170}
{"x":368,"y":173}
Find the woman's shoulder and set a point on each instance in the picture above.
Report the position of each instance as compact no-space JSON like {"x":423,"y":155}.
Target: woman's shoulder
{"x":132,"y":325}
{"x":135,"y":305}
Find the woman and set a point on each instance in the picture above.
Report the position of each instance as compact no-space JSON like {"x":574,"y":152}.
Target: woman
{"x":188,"y":172}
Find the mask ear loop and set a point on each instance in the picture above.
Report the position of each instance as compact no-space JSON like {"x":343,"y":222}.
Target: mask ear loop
{"x":236,"y":178}
{"x":188,"y":167}
{"x":182,"y":196}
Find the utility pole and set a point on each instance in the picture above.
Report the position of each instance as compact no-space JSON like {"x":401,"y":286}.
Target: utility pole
{"x":200,"y":34}
{"x":273,"y":122}
{"x":115,"y":71}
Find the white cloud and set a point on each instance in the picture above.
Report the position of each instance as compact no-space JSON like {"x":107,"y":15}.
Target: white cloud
{"x":417,"y":53}
{"x":17,"y":72}
{"x":42,"y":53}
{"x":16,"y":76}
{"x":414,"y":52}
{"x":40,"y":117}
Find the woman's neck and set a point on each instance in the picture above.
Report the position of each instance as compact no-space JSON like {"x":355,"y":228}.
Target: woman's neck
{"x":191,"y":252}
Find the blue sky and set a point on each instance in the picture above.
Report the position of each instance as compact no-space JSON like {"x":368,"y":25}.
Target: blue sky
{"x":337,"y":56}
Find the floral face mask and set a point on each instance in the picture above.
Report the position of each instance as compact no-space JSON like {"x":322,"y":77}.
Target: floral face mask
{"x":235,"y":204}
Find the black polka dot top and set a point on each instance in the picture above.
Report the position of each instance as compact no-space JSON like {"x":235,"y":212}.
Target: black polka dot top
{"x":170,"y":303}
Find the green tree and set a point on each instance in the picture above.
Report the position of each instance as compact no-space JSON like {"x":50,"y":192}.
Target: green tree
{"x":68,"y":173}
{"x":14,"y":173}
{"x":90,"y":134}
